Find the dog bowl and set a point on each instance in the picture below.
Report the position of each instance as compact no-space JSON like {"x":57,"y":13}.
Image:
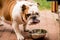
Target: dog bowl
{"x":38,"y":33}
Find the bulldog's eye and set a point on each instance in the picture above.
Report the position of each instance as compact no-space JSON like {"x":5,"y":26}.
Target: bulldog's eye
{"x":28,"y":15}
{"x":37,"y":13}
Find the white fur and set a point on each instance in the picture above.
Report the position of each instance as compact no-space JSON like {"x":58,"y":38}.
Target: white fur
{"x":34,"y":8}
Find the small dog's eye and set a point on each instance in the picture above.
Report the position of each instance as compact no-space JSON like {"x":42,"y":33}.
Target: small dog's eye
{"x":28,"y":15}
{"x":37,"y":14}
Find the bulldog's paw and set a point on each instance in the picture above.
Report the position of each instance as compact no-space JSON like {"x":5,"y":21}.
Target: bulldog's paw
{"x":20,"y":37}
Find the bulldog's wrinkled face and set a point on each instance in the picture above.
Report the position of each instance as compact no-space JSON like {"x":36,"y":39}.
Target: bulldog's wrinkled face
{"x":33,"y":15}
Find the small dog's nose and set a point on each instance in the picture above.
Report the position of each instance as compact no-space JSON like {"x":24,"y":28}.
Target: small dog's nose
{"x":34,"y":17}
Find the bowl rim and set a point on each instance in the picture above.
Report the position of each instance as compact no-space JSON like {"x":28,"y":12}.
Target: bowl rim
{"x":39,"y":30}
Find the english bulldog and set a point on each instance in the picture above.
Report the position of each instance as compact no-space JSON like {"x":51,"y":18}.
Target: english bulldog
{"x":21,"y":12}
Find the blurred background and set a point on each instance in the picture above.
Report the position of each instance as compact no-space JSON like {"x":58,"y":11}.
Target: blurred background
{"x":44,"y":4}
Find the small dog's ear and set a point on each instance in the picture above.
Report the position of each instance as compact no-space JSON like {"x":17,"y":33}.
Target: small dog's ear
{"x":23,"y":7}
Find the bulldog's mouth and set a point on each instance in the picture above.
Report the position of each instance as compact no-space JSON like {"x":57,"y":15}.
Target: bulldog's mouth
{"x":35,"y":22}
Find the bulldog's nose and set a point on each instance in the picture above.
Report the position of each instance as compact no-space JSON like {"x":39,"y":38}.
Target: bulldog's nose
{"x":34,"y":17}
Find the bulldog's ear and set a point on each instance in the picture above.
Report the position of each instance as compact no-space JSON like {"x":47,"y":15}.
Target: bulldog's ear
{"x":23,"y":7}
{"x":38,"y":4}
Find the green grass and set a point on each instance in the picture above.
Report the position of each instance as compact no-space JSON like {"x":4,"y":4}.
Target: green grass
{"x":43,"y":4}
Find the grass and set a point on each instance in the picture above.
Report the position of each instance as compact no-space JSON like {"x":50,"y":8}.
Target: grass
{"x":43,"y":4}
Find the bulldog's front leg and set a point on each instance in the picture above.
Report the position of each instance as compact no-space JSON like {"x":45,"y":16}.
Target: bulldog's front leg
{"x":24,"y":27}
{"x":15,"y":26}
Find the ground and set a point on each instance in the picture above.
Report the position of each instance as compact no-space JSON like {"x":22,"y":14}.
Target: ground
{"x":47,"y":22}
